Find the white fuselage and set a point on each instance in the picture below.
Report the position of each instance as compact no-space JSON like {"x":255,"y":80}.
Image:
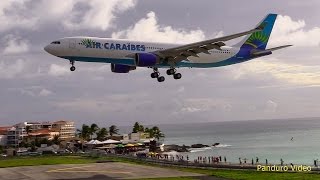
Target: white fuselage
{"x":117,"y":51}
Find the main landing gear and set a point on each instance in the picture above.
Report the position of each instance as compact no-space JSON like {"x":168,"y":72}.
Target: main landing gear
{"x":171,"y":71}
{"x":72,"y":68}
{"x":156,"y":74}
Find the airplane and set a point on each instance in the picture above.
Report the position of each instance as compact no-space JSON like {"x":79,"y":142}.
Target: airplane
{"x":126,"y":55}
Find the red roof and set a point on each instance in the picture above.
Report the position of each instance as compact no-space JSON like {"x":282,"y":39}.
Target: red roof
{"x":4,"y":130}
{"x":40,"y":132}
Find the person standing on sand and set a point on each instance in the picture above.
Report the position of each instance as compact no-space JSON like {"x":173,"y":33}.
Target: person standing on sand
{"x":257,"y":160}
{"x":252,"y":162}
{"x":240,"y":161}
{"x":266,"y":161}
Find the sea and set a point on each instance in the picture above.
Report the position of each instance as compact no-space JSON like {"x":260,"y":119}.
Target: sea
{"x":294,"y":141}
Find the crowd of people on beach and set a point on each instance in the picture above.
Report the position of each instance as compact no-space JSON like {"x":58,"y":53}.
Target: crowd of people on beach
{"x":210,"y":159}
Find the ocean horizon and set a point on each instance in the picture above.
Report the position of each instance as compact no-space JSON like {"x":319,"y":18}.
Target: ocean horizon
{"x":295,"y":141}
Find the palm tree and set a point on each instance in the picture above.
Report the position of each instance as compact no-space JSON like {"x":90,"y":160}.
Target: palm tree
{"x":155,"y":132}
{"x":137,"y":128}
{"x":113,"y":130}
{"x":93,"y":129}
{"x":56,"y":140}
{"x":102,"y":134}
{"x":85,"y":132}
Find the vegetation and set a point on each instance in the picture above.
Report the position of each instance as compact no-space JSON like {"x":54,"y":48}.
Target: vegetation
{"x":222,"y":173}
{"x":102,"y":134}
{"x":56,"y":140}
{"x":44,"y":160}
{"x":113,"y":130}
{"x":84,"y":132}
{"x":137,"y":128}
{"x":153,"y":132}
{"x":89,"y":132}
{"x":228,"y":174}
{"x":93,"y":129}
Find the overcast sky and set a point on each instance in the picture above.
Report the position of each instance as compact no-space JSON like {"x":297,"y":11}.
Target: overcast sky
{"x":35,"y":86}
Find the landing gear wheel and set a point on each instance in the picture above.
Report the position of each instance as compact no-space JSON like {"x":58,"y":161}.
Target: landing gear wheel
{"x":161,"y":79}
{"x":177,"y":76}
{"x":154,"y":75}
{"x":171,"y":71}
{"x":72,"y":68}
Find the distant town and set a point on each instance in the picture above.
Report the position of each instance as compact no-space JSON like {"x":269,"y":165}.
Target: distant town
{"x":63,"y":137}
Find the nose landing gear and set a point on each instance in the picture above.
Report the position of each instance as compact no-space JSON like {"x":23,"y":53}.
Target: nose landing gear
{"x":72,"y":68}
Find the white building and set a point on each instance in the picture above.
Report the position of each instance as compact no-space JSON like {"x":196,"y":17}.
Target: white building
{"x":3,"y":140}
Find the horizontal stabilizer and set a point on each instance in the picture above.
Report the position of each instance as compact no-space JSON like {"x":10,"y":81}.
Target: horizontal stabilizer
{"x":267,"y":51}
{"x":277,"y":48}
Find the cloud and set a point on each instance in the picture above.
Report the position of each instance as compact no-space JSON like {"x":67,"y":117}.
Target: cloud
{"x":45,"y":92}
{"x":283,"y":74}
{"x":192,"y":105}
{"x":100,"y":14}
{"x":271,"y":106}
{"x":15,"y":45}
{"x":148,"y":29}
{"x":72,"y":14}
{"x":8,"y":71}
{"x":13,"y":14}
{"x":56,"y":70}
{"x":34,"y":91}
{"x":289,"y":31}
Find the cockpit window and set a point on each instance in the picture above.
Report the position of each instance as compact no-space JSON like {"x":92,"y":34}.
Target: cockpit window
{"x":56,"y":42}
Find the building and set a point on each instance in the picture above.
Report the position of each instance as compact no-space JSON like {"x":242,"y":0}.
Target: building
{"x":66,"y":129}
{"x":43,"y":134}
{"x":141,"y":137}
{"x":3,"y":135}
{"x":16,"y":134}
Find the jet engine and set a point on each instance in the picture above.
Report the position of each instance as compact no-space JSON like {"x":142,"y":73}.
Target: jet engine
{"x":146,"y":59}
{"x":119,"y":68}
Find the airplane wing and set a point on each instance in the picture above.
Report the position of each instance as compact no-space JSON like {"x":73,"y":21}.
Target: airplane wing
{"x":177,"y":54}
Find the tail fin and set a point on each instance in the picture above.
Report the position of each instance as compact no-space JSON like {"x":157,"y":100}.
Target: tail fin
{"x":259,"y":40}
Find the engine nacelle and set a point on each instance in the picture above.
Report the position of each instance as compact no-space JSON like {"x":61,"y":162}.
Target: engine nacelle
{"x":119,"y":68}
{"x":146,"y":59}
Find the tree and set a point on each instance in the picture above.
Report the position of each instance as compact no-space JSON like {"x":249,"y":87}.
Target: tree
{"x":113,"y":130}
{"x":85,"y":131}
{"x":102,"y":134}
{"x":137,"y":128}
{"x":93,"y":129}
{"x":56,"y":140}
{"x":155,"y":132}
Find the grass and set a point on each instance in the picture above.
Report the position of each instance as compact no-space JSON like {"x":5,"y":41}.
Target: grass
{"x":228,"y":174}
{"x":44,"y":160}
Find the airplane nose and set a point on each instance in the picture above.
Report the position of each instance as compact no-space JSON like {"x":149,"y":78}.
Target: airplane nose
{"x":47,"y":49}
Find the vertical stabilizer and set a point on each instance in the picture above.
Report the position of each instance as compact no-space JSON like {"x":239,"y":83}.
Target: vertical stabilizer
{"x":259,"y":40}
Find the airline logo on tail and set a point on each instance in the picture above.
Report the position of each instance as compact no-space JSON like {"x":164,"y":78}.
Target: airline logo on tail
{"x":259,"y":40}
